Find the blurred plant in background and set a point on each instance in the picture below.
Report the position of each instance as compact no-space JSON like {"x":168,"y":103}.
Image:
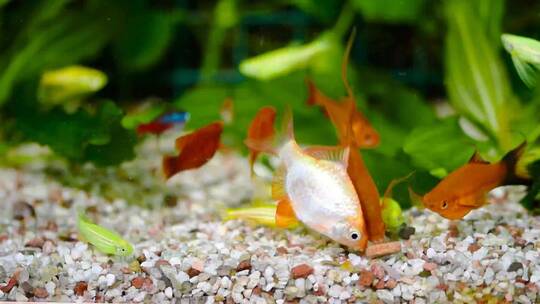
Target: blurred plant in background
{"x":431,"y":76}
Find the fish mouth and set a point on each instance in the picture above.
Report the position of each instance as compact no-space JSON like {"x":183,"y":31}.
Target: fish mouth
{"x":362,"y":244}
{"x":455,"y":215}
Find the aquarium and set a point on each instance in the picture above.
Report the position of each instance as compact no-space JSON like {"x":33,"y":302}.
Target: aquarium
{"x":293,"y":151}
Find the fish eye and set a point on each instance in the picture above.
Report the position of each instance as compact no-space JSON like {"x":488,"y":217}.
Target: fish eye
{"x":444,"y":205}
{"x":355,"y":235}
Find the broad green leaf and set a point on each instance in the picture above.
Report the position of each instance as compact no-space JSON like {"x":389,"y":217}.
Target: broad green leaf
{"x":525,"y":53}
{"x":490,"y":14}
{"x":477,"y":84}
{"x":442,"y":145}
{"x":325,"y":10}
{"x":80,"y":136}
{"x":390,"y":10}
{"x":402,"y":105}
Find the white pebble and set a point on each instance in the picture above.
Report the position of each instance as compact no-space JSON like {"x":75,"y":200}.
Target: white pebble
{"x":182,"y":277}
{"x":168,"y":292}
{"x":335,"y":291}
{"x":50,"y":287}
{"x":480,"y":253}
{"x":148,"y":264}
{"x":385,"y":296}
{"x":175,"y":261}
{"x":430,"y":253}
{"x":139,"y":297}
{"x":345,"y":295}
{"x":226,"y":283}
{"x":110,"y":279}
{"x":488,"y":276}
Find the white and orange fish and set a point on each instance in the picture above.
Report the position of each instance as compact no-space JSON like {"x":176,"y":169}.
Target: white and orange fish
{"x":312,"y":186}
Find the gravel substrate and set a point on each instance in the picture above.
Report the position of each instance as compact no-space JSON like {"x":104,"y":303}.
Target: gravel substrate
{"x":185,"y":251}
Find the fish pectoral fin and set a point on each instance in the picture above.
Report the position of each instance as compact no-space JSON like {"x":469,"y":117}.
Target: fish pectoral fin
{"x":285,"y":216}
{"x":278,"y":183}
{"x":336,"y":154}
{"x":474,"y":201}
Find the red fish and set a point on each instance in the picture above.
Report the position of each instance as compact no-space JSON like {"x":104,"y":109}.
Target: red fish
{"x":196,"y":149}
{"x":465,"y":188}
{"x":163,"y":123}
{"x":261,"y":131}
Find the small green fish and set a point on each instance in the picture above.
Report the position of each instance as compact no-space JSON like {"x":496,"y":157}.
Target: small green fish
{"x":285,"y":60}
{"x":525,"y":54}
{"x":103,"y":239}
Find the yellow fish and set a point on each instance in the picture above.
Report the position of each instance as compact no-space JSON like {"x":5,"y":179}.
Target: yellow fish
{"x":312,"y":186}
{"x":259,"y":214}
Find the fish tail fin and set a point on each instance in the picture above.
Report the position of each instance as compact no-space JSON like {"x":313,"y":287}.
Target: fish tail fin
{"x":287,"y":126}
{"x":395,"y":182}
{"x":345,"y":63}
{"x":261,"y":133}
{"x":510,"y":160}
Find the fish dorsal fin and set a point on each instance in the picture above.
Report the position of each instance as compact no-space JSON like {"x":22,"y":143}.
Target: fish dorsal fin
{"x":477,"y":159}
{"x":278,"y":183}
{"x":336,"y":154}
{"x":285,"y":216}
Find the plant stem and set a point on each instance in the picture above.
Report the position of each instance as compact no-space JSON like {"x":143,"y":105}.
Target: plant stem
{"x":225,"y":17}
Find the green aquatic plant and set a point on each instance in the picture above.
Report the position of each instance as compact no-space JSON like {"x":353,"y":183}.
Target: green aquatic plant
{"x":45,"y":93}
{"x":525,"y":53}
{"x":477,"y":83}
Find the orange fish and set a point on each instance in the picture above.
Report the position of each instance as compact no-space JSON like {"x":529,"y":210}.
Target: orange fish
{"x":344,"y":115}
{"x":363,"y":133}
{"x":355,"y":131}
{"x":261,"y":131}
{"x":465,"y":188}
{"x":312,"y":186}
{"x":196,"y":149}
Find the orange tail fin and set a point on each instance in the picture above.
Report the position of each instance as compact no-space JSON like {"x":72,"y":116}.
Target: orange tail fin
{"x":261,"y":134}
{"x":395,"y":182}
